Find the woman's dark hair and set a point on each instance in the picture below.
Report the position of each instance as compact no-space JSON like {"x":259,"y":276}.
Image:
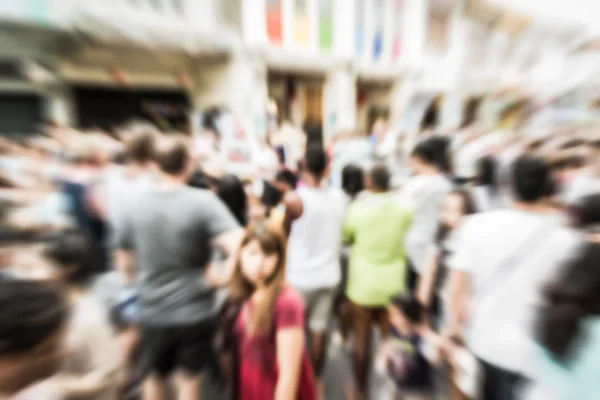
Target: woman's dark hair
{"x":531,"y":179}
{"x":468,"y":209}
{"x":230,"y":190}
{"x":201,"y":180}
{"x":73,"y":251}
{"x":271,"y":196}
{"x":316,"y":160}
{"x":30,"y":313}
{"x":353,"y":180}
{"x":487,"y":172}
{"x":409,"y":306}
{"x":575,"y":294}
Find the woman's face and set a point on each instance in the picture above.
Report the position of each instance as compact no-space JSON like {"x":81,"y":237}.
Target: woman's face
{"x":257,"y":266}
{"x":452,"y":210}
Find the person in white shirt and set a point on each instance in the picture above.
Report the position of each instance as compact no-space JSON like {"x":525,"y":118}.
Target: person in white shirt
{"x":314,"y":219}
{"x":501,"y":261}
{"x":424,"y":192}
{"x":587,"y":181}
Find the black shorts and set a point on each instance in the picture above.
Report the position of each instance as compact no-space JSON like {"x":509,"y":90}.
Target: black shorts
{"x":187,"y":348}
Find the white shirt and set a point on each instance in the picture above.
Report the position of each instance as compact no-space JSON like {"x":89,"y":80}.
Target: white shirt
{"x":583,"y":184}
{"x":424,"y":194}
{"x":315,"y":243}
{"x":503,"y":307}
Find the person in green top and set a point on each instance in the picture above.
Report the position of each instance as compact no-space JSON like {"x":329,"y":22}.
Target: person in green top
{"x":375,"y":227}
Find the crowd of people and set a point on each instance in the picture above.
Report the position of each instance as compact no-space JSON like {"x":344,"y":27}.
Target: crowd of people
{"x":130,"y":269}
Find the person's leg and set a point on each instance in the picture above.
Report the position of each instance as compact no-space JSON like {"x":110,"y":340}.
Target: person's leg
{"x":157,"y":361}
{"x":318,"y":323}
{"x":361,"y":329}
{"x":195,"y":353}
{"x":155,"y":388}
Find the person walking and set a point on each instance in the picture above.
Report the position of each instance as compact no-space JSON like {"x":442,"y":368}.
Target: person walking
{"x":168,"y":240}
{"x":314,"y":218}
{"x":500,"y":262}
{"x":376,"y":228}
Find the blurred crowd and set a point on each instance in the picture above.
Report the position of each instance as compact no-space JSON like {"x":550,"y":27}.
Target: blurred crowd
{"x":461,"y":266}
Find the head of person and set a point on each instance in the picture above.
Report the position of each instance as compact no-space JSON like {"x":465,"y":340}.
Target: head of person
{"x":424,"y":157}
{"x":353,"y":180}
{"x":531,"y":180}
{"x":454,"y":208}
{"x":285,"y":180}
{"x":379,"y":178}
{"x":487,"y":172}
{"x":315,"y":163}
{"x":72,"y":258}
{"x":586,"y":214}
{"x":260,"y":266}
{"x":405,"y":313}
{"x":33,"y":319}
{"x":172,"y":157}
{"x":139,"y":146}
{"x":230,"y":190}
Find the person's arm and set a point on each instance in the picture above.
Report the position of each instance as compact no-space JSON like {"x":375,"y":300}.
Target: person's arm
{"x":426,"y":282}
{"x":293,"y":210}
{"x":289,"y":339}
{"x":123,"y":255}
{"x":230,"y":242}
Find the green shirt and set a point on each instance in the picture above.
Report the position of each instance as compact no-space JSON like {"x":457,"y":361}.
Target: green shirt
{"x":376,"y":228}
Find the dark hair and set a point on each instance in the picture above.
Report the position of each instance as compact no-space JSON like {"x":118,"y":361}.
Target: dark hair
{"x":30,"y":313}
{"x":487,"y":172}
{"x":595,"y":144}
{"x":73,"y":251}
{"x":572,"y":144}
{"x":435,"y":151}
{"x":230,"y":190}
{"x":353,"y":180}
{"x":172,"y":155}
{"x":201,"y":180}
{"x":569,"y":299}
{"x":288,"y":177}
{"x":316,"y":160}
{"x":531,"y":179}
{"x":469,"y":208}
{"x":409,"y":306}
{"x":380,"y":177}
{"x":587,"y":210}
{"x":271,"y":196}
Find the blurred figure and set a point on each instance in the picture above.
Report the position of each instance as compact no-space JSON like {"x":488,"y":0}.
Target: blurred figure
{"x":487,"y":192}
{"x":375,"y":228}
{"x":432,"y":288}
{"x":167,"y":241}
{"x":424,"y":191}
{"x":33,"y":318}
{"x":568,"y":326}
{"x":314,"y":218}
{"x":402,"y":354}
{"x":230,"y":190}
{"x":502,"y":259}
{"x":352,"y":181}
{"x":91,"y":370}
{"x":588,"y":180}
{"x":272,"y":362}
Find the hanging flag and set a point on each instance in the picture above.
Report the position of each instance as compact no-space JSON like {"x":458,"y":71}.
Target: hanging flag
{"x":359,"y":23}
{"x":325,"y":24}
{"x":398,"y":26}
{"x":274,"y":29}
{"x":379,"y":20}
{"x":301,"y":23}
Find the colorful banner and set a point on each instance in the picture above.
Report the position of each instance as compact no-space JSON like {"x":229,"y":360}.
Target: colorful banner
{"x":274,"y":29}
{"x":359,"y":23}
{"x":325,"y":24}
{"x":398,"y":26}
{"x":379,"y":21}
{"x":301,"y":33}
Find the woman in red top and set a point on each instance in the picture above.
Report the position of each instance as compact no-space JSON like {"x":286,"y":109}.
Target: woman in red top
{"x":272,"y":362}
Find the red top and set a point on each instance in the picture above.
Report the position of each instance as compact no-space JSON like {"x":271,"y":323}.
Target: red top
{"x":257,"y":355}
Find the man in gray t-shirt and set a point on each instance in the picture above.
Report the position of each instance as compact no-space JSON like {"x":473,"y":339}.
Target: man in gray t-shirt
{"x":169,"y":232}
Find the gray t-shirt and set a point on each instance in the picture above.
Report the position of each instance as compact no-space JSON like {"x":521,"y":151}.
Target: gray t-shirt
{"x":170,"y":232}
